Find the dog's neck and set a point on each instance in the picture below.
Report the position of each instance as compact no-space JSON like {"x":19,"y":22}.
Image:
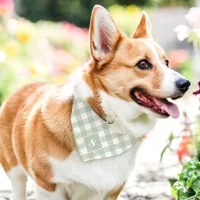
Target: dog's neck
{"x":126,"y":116}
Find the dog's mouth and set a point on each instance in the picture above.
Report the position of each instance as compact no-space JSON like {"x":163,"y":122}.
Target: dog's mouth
{"x":160,"y":106}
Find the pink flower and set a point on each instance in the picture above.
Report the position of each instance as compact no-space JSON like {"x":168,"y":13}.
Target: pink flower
{"x":64,"y":62}
{"x":6,"y":6}
{"x":75,"y":34}
{"x":198,"y":91}
{"x":177,"y":58}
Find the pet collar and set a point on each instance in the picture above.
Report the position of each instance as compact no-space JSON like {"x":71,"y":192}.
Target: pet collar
{"x":95,"y":138}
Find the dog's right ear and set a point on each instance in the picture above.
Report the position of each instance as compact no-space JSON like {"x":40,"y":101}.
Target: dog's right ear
{"x":104,"y":35}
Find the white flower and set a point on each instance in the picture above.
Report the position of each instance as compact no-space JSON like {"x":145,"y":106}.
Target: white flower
{"x":183,"y":32}
{"x":12,"y":26}
{"x":3,"y":56}
{"x":193,"y":17}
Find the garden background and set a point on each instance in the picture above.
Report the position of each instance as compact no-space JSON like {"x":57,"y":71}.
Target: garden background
{"x":46,"y":40}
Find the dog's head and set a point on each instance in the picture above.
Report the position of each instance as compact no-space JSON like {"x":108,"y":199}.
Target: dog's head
{"x":134,"y":69}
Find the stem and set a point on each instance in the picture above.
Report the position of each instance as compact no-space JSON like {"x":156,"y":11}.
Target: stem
{"x":193,"y":197}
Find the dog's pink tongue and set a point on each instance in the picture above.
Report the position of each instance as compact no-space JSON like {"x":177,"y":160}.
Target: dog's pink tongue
{"x":169,"y":107}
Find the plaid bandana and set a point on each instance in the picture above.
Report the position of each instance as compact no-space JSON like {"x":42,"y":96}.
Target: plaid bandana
{"x":95,"y":138}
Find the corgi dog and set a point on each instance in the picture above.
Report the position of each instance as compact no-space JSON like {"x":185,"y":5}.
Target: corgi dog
{"x":127,"y":82}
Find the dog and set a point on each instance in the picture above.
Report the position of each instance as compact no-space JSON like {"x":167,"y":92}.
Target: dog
{"x":127,"y":83}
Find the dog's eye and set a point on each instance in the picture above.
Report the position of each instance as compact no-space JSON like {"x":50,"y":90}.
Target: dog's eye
{"x":167,"y":62}
{"x":144,"y":64}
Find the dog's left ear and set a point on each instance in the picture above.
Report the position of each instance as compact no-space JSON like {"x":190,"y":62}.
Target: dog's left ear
{"x":144,"y":28}
{"x":104,"y":35}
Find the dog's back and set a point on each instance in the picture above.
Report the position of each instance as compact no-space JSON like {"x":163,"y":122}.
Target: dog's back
{"x":23,"y":125}
{"x":10,"y":110}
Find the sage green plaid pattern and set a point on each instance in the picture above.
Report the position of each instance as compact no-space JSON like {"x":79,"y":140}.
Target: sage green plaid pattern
{"x":94,"y":137}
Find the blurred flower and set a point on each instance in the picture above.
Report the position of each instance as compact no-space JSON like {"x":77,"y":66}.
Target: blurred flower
{"x":53,"y":32}
{"x":132,"y":9}
{"x":12,"y":26}
{"x":75,"y":34}
{"x":23,"y":36}
{"x":12,"y":48}
{"x":193,"y":17}
{"x":183,"y":32}
{"x":37,"y":68}
{"x":183,"y":149}
{"x":59,"y":79}
{"x":55,"y":50}
{"x":177,"y":58}
{"x":197,"y":91}
{"x":123,"y":15}
{"x":65,"y":61}
{"x":23,"y":73}
{"x":6,"y":6}
{"x":24,"y":31}
{"x":3,"y":56}
{"x":191,"y":33}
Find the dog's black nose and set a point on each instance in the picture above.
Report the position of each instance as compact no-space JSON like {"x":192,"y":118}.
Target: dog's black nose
{"x":183,"y":84}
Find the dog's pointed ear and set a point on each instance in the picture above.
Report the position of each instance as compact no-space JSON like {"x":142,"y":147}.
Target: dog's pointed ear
{"x":104,"y":35}
{"x":144,"y":28}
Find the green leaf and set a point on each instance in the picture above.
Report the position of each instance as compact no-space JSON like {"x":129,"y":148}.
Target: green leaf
{"x":196,"y":186}
{"x":187,"y":187}
{"x":172,"y":181}
{"x":192,"y":198}
{"x":193,"y":175}
{"x":197,"y":165}
{"x":193,"y":161}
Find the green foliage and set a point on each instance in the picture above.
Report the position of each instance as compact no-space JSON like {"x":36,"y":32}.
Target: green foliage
{"x":76,"y":11}
{"x":195,"y":39}
{"x":197,"y":139}
{"x":131,"y":16}
{"x":186,"y":69}
{"x":188,"y":185}
{"x":21,"y":52}
{"x":136,"y":2}
{"x":171,"y":2}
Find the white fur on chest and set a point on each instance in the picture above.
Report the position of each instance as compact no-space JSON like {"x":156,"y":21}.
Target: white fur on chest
{"x":102,"y":175}
{"x":105,"y":174}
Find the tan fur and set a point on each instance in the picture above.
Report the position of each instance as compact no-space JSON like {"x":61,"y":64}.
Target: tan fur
{"x":144,"y":27}
{"x":36,"y":135}
{"x":35,"y":121}
{"x":115,"y":193}
{"x":127,"y":55}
